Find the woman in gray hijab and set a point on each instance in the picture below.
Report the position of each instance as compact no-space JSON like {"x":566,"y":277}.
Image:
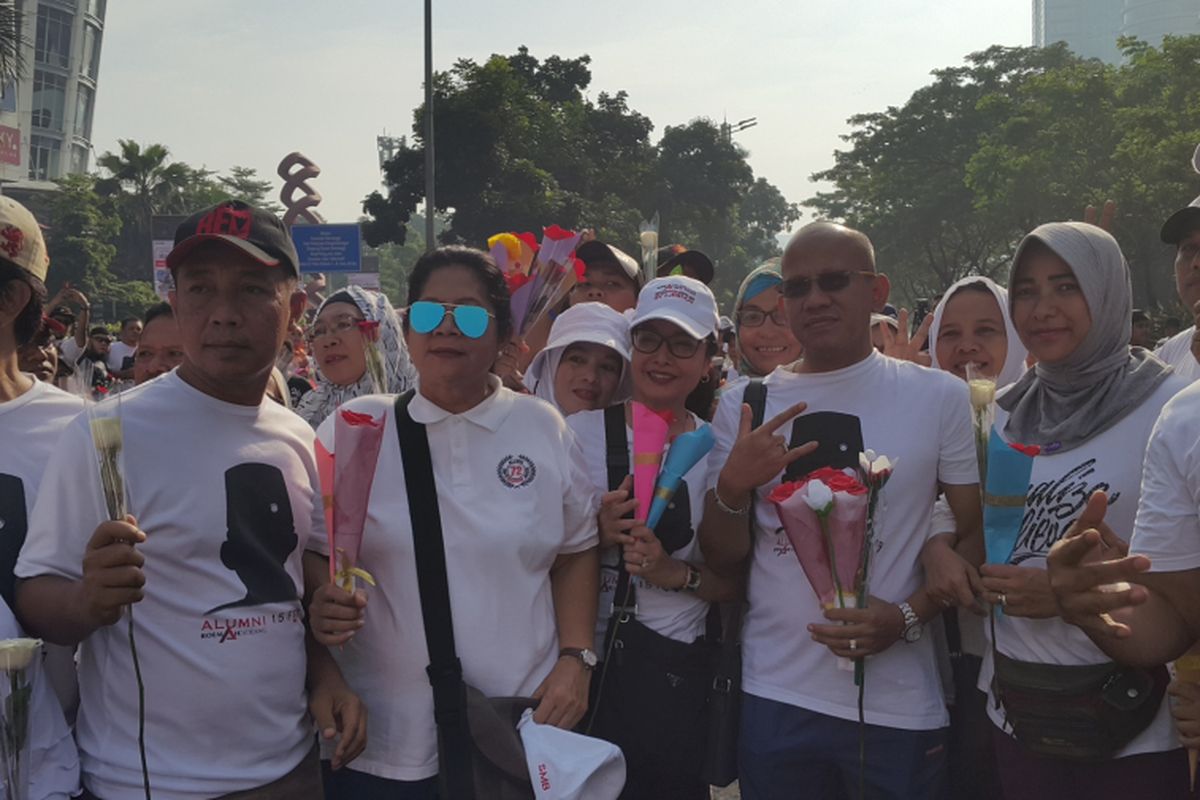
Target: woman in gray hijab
{"x":1089,"y":405}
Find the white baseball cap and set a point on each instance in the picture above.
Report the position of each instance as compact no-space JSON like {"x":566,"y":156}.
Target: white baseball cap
{"x":684,"y":301}
{"x":570,"y":766}
{"x":594,"y":323}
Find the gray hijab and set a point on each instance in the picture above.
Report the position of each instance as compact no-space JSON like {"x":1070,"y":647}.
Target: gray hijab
{"x":1060,"y":406}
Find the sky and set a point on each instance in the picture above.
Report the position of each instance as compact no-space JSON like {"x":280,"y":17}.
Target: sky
{"x":235,"y":82}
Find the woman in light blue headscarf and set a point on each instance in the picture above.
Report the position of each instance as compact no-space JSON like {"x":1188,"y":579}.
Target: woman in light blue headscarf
{"x":764,"y":338}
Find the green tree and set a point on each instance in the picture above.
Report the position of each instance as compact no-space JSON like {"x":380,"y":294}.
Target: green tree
{"x":243,"y":183}
{"x":520,"y":145}
{"x":949,"y":182}
{"x":12,"y":64}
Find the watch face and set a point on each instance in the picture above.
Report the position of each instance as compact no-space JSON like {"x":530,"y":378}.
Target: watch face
{"x":912,"y":633}
{"x":589,"y":658}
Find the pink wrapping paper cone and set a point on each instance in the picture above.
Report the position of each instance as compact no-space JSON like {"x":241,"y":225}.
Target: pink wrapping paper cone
{"x":357,"y":439}
{"x":845,"y":529}
{"x":325,"y":475}
{"x":650,"y":431}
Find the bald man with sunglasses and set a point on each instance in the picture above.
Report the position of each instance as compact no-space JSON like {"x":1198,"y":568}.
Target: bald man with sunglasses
{"x":799,"y":713}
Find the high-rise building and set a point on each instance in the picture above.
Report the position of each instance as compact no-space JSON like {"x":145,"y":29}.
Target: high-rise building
{"x":1091,"y":27}
{"x":46,"y":117}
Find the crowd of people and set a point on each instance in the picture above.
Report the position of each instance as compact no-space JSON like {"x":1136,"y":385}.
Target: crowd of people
{"x":260,"y":671}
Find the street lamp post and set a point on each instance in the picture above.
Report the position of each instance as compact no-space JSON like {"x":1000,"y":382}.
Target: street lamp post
{"x":429,"y":184}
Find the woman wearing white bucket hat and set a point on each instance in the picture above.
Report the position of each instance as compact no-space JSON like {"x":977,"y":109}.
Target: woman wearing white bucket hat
{"x":585,"y":364}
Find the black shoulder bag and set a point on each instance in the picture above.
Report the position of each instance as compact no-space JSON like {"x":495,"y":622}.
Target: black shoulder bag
{"x":480,"y":756}
{"x":725,"y":699}
{"x":651,"y":697}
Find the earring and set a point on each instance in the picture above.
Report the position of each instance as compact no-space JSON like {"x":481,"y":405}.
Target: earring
{"x":705,"y":378}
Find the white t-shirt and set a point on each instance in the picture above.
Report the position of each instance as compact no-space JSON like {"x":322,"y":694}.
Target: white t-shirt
{"x":1167,"y":529}
{"x":29,"y":427}
{"x":513,"y":495}
{"x":53,"y":760}
{"x":118,"y":351}
{"x":1177,"y":351}
{"x":1060,"y":486}
{"x":225,"y":494}
{"x":907,"y":412}
{"x":70,"y":350}
{"x":676,"y":615}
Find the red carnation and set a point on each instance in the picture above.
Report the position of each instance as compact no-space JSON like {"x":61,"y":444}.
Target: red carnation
{"x":1031,"y":450}
{"x":356,"y":419}
{"x":555,"y":233}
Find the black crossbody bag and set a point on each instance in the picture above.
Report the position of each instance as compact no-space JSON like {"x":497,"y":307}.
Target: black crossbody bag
{"x":480,"y":755}
{"x":644,"y":669}
{"x":725,"y":698}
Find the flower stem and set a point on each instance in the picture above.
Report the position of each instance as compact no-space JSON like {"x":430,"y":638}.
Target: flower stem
{"x":141,"y":688}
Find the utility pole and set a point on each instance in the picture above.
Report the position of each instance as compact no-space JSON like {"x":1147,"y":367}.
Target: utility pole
{"x":430,"y":205}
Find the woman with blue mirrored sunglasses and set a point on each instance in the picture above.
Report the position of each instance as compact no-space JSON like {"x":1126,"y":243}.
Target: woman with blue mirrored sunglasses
{"x":424,"y":316}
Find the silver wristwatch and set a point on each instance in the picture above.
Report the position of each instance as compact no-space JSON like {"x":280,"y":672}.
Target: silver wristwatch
{"x":912,"y":624}
{"x":587,"y":656}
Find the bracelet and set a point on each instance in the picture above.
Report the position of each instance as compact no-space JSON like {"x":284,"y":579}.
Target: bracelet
{"x":733,"y":512}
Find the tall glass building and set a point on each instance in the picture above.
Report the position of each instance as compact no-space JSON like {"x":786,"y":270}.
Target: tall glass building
{"x":1091,"y":27}
{"x":46,"y":118}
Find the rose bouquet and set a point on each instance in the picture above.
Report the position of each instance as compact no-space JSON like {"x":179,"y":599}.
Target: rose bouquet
{"x":375,"y":368}
{"x":983,"y":412}
{"x":825,"y":518}
{"x":347,"y":477}
{"x":648,"y":238}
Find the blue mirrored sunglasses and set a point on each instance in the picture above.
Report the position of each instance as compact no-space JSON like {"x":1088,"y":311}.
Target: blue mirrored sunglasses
{"x":425,"y":316}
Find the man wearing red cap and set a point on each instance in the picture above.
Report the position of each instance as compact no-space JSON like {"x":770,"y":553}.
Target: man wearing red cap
{"x":222,"y":489}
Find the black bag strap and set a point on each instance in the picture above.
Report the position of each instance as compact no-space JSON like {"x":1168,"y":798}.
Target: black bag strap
{"x":616,"y":443}
{"x":444,"y":670}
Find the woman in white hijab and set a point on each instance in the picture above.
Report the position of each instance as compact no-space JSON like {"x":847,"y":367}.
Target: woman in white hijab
{"x":337,"y":342}
{"x":971,"y":324}
{"x":585,"y":364}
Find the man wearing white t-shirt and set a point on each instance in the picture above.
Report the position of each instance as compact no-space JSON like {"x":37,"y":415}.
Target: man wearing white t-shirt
{"x":799,"y":713}
{"x":124,"y":348}
{"x":32,"y":414}
{"x":1182,"y":229}
{"x":222,"y":488}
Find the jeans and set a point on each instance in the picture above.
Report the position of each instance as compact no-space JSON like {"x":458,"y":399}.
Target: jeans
{"x":786,"y":751}
{"x":346,"y":784}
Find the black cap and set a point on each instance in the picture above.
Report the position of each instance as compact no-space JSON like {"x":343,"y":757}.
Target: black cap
{"x":1181,"y":223}
{"x":257,"y":233}
{"x":596,"y":252}
{"x":692,"y":263}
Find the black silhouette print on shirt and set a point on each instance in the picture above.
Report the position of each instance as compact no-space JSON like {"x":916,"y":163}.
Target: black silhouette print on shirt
{"x":261,"y":534}
{"x":13,"y":526}
{"x":839,"y":441}
{"x":674,"y":529}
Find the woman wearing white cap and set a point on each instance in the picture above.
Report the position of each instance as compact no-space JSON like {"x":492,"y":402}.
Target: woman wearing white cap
{"x":585,"y":364}
{"x":651,"y":692}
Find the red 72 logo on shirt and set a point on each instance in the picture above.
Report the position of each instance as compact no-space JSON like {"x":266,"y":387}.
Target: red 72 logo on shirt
{"x":516,"y":471}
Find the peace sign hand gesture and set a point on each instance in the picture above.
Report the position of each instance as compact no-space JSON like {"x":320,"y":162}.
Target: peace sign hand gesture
{"x":898,"y":344}
{"x":758,"y":455}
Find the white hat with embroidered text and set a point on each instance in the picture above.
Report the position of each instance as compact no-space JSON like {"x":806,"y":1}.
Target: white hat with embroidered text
{"x":684,"y":301}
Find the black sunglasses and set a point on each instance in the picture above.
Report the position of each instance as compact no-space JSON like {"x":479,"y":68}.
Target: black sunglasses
{"x":827,"y":282}
{"x":648,"y":341}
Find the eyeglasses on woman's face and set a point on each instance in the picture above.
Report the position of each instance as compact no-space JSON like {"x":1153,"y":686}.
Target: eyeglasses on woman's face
{"x":646,"y":340}
{"x":339,"y":327}
{"x":751,"y":317}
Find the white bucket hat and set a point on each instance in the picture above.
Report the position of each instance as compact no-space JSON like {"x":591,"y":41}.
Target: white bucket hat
{"x":684,"y":301}
{"x":570,"y":766}
{"x":592,"y":323}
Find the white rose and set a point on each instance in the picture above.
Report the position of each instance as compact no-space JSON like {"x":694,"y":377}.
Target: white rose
{"x":818,"y":496}
{"x":18,"y":653}
{"x":983,"y":392}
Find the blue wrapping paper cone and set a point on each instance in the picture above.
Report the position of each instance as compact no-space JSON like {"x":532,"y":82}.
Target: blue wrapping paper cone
{"x":686,"y":451}
{"x":1008,"y":474}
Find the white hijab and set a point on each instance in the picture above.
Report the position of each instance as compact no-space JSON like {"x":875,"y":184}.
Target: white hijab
{"x":1014,"y":362}
{"x":589,"y":323}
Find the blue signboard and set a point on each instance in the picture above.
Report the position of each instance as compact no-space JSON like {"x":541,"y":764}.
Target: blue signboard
{"x":328,"y":248}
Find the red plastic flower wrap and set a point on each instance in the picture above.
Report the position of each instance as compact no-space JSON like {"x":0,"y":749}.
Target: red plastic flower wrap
{"x":357,"y":439}
{"x":555,"y":265}
{"x":650,"y":433}
{"x":825,"y":518}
